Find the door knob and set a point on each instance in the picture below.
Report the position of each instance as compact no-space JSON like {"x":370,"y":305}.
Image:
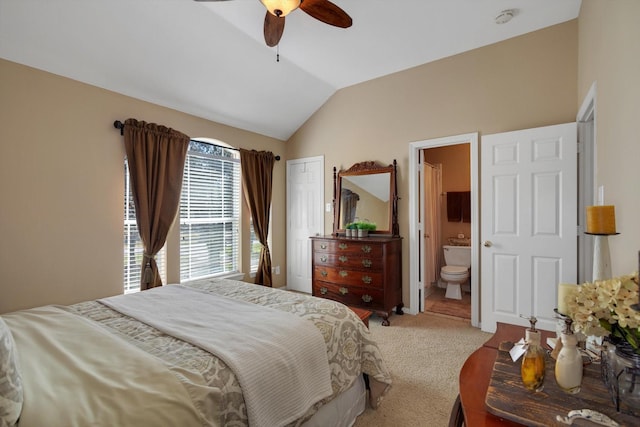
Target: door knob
{"x":487,"y":243}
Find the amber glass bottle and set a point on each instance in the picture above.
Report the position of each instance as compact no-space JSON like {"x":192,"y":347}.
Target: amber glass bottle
{"x":533,"y":360}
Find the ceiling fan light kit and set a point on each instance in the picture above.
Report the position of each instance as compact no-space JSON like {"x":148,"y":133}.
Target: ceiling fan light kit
{"x":281,"y":8}
{"x":322,"y":10}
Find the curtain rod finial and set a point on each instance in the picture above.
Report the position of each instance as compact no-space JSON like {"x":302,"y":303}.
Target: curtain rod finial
{"x":119,"y":125}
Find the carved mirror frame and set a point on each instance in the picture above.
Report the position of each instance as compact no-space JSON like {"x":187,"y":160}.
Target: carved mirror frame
{"x":367,"y":168}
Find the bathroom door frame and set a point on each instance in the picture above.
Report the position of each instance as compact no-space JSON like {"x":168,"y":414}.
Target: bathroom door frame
{"x":416,"y":212}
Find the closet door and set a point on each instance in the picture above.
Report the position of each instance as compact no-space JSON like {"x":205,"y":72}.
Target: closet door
{"x":305,"y":218}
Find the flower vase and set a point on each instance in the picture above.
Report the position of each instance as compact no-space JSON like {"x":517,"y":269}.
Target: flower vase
{"x":362,"y":232}
{"x":621,"y":373}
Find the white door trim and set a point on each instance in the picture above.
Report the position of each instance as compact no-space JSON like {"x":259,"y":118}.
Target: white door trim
{"x":586,"y":119}
{"x":415,"y":264}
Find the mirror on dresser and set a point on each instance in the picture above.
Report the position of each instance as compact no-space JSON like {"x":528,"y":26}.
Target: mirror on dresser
{"x":367,"y":191}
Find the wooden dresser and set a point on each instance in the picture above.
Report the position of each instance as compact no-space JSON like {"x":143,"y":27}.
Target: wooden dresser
{"x":364,"y":273}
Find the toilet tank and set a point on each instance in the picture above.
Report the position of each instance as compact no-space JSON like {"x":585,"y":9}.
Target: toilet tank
{"x":457,"y":255}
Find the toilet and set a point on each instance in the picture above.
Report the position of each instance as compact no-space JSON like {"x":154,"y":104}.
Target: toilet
{"x":455,"y":272}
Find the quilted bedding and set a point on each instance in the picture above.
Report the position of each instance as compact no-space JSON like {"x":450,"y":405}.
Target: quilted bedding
{"x":350,"y":348}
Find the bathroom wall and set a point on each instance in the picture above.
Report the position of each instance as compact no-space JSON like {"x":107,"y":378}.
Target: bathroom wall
{"x":456,"y":176}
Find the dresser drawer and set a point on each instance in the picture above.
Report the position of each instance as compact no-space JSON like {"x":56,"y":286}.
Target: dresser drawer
{"x":372,"y":279}
{"x":347,"y":260}
{"x":348,"y":247}
{"x":354,"y":295}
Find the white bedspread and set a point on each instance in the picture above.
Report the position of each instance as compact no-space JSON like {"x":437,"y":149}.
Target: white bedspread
{"x":250,"y":339}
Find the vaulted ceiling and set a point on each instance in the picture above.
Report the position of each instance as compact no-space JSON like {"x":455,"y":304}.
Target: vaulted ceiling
{"x":210,"y":59}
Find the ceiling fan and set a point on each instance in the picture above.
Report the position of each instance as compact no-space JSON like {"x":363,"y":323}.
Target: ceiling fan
{"x":322,"y":10}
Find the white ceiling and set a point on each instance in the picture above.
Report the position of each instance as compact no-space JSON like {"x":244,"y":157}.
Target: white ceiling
{"x":210,"y":59}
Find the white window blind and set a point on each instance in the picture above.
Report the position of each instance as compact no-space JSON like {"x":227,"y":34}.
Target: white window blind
{"x":133,"y":250}
{"x":209,"y":212}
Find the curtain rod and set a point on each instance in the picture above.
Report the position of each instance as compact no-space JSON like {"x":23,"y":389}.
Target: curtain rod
{"x":119,"y":125}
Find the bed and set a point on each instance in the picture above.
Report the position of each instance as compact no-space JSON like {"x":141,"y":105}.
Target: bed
{"x":214,"y":352}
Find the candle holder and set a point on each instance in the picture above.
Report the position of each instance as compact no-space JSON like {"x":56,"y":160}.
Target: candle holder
{"x":601,"y":256}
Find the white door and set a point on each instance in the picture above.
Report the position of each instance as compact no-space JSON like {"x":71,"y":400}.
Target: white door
{"x":529,"y":223}
{"x":305,"y":218}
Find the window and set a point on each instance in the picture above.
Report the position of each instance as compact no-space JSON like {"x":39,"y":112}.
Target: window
{"x":210,"y":212}
{"x":209,"y":218}
{"x":133,"y":244}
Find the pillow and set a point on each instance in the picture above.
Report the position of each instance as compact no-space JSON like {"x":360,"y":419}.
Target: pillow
{"x":11,"y":396}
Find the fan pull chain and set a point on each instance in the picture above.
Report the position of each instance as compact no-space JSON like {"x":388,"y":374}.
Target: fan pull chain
{"x":278,"y":52}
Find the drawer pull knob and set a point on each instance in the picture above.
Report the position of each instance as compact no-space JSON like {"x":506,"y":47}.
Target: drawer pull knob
{"x":367,"y":298}
{"x":366,"y":249}
{"x":343,"y":258}
{"x":367,"y":262}
{"x":323,"y":273}
{"x":366,"y":279}
{"x":323,"y":246}
{"x":323,"y":258}
{"x":344,"y":290}
{"x":343,"y":273}
{"x":323,"y":291}
{"x":343,"y":246}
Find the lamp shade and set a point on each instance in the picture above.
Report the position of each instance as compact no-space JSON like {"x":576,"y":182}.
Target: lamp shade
{"x":601,"y":219}
{"x":281,"y":8}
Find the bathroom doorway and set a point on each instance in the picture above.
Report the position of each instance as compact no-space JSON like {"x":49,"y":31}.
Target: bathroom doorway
{"x":424,"y":282}
{"x":447,"y":228}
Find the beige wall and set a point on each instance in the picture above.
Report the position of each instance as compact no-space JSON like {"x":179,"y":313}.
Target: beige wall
{"x":456,"y":176}
{"x":524,"y":82}
{"x":61,"y":181}
{"x":609,"y":55}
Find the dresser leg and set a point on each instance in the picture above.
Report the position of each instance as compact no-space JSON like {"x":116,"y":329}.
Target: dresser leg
{"x":399,"y":309}
{"x":385,"y":319}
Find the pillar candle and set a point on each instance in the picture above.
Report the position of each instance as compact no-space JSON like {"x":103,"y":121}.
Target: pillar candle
{"x":601,"y":219}
{"x":563,"y":291}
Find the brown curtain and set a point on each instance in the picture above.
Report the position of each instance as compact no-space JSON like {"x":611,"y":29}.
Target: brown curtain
{"x":156,"y":156}
{"x":257,"y":179}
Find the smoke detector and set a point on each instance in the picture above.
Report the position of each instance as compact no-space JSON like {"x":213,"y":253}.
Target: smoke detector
{"x":505,"y":16}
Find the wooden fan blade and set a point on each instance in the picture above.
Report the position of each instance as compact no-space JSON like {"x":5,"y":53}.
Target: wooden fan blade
{"x":327,"y":12}
{"x":273,"y":29}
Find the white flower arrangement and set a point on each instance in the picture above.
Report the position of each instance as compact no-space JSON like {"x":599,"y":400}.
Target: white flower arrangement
{"x":603,"y":308}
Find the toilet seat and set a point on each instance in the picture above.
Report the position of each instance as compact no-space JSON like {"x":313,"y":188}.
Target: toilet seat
{"x":455,"y":270}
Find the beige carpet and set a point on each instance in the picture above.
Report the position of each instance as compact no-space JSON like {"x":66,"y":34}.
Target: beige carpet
{"x":424,"y":354}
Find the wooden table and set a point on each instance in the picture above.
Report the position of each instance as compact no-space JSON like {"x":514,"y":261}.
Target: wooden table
{"x":514,"y":402}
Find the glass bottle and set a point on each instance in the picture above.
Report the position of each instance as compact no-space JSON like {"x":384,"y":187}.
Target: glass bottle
{"x":533,"y":361}
{"x":569,"y":364}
